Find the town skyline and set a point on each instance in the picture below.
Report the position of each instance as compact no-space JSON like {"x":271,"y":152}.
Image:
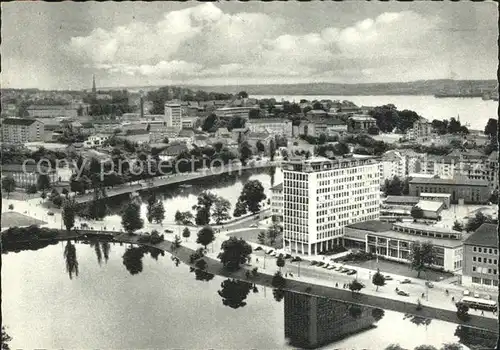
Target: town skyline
{"x":242,"y":44}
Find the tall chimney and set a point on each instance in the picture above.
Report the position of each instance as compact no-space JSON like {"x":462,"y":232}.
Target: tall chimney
{"x":142,"y":107}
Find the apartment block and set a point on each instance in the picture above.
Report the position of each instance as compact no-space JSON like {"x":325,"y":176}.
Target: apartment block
{"x":22,"y":130}
{"x":274,"y":126}
{"x":392,"y":164}
{"x":321,"y":196}
{"x":173,"y":115}
{"x":480,"y":266}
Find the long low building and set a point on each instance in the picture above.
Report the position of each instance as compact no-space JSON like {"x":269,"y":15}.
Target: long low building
{"x":461,"y":189}
{"x":393,"y":241}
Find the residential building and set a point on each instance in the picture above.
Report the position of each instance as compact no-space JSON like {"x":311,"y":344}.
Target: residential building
{"x":275,"y":126}
{"x":173,"y":115}
{"x":312,"y":322}
{"x":393,"y":241}
{"x":422,"y":128}
{"x":360,"y":123}
{"x":22,"y":130}
{"x":254,"y":137}
{"x":277,"y":202}
{"x":445,"y":198}
{"x":491,"y":168}
{"x":323,"y":195}
{"x":231,"y":112}
{"x":316,"y":125}
{"x":189,"y":122}
{"x":316,"y":113}
{"x":42,"y":111}
{"x":26,"y":175}
{"x":392,"y":164}
{"x":462,"y":190}
{"x":480,"y":266}
{"x":95,"y":140}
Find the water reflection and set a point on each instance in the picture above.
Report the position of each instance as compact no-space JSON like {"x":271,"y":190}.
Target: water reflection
{"x":201,"y":275}
{"x":234,"y":293}
{"x":311,"y":321}
{"x":71,"y":259}
{"x":132,"y":258}
{"x":97,"y":248}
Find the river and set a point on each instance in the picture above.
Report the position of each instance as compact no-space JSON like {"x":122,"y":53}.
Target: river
{"x":176,"y":197}
{"x":474,"y":111}
{"x":163,"y":306}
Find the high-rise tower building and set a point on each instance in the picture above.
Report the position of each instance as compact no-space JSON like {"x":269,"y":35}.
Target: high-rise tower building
{"x":321,"y":196}
{"x":173,"y":115}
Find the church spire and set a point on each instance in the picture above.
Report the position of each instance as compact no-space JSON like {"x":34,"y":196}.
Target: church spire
{"x":93,"y":84}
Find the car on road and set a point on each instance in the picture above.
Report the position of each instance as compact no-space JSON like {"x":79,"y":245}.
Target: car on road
{"x":406,"y":281}
{"x":287,"y":256}
{"x":269,"y":251}
{"x":273,"y":253}
{"x":403,"y":293}
{"x":388,"y":278}
{"x":352,"y":272}
{"x":258,"y":248}
{"x":344,"y":270}
{"x":338,"y":268}
{"x":331,"y":267}
{"x":321,"y":263}
{"x":429,"y":284}
{"x":50,"y":213}
{"x":254,"y":225}
{"x":168,"y":231}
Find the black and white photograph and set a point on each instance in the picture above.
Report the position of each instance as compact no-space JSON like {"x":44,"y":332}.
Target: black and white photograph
{"x":249,"y":175}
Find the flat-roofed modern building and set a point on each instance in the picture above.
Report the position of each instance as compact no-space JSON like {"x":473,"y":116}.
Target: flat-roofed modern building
{"x":461,"y":189}
{"x":22,"y":130}
{"x":277,"y":202}
{"x":230,"y":112}
{"x":393,"y":241}
{"x":430,"y":209}
{"x":276,"y":126}
{"x":173,"y":115}
{"x":321,"y":196}
{"x":41,"y":111}
{"x":445,"y":198}
{"x":480,"y":267}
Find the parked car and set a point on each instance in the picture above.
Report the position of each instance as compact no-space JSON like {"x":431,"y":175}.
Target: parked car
{"x":254,"y":225}
{"x":403,"y":293}
{"x":466,"y":293}
{"x":269,"y":251}
{"x":50,"y":213}
{"x":338,"y":268}
{"x":352,"y":272}
{"x":406,"y":281}
{"x":476,"y":295}
{"x":321,"y":263}
{"x":258,"y":248}
{"x":344,"y":270}
{"x":287,"y":256}
{"x":388,"y":278}
{"x":429,"y":284}
{"x":168,"y":231}
{"x":331,"y":267}
{"x":314,"y":262}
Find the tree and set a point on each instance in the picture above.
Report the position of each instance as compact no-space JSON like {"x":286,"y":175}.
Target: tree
{"x":280,"y":262}
{"x":458,"y":226}
{"x":378,"y":314}
{"x":251,"y":195}
{"x":69,"y":213}
{"x":355,"y":286}
{"x":205,"y":202}
{"x":421,"y":256}
{"x":131,"y":218}
{"x":260,"y":147}
{"x":5,"y":339}
{"x":205,"y":236}
{"x":240,"y":209}
{"x":31,"y":189}
{"x":43,"y":182}
{"x":278,"y":280}
{"x":393,"y":187}
{"x":176,"y":243}
{"x":462,"y":311}
{"x":378,"y":279}
{"x":475,"y":222}
{"x":8,"y":184}
{"x":201,"y":264}
{"x":452,"y":346}
{"x":234,"y":252}
{"x":426,"y":347}
{"x":394,"y":347}
{"x":245,"y":152}
{"x":272,"y":150}
{"x":273,"y":232}
{"x":11,"y":206}
{"x":186,"y":233}
{"x":234,"y":293}
{"x":210,"y":123}
{"x":491,"y":128}
{"x":416,"y":212}
{"x":262,"y":237}
{"x":242,"y":94}
{"x":183,"y":218}
{"x":221,"y":210}
{"x":43,"y":195}
{"x":158,"y":212}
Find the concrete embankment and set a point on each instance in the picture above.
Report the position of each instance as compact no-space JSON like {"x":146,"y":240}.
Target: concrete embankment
{"x":215,"y":267}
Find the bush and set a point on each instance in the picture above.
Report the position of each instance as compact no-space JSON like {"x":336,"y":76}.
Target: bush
{"x":419,"y":305}
{"x":32,"y":232}
{"x":154,"y":238}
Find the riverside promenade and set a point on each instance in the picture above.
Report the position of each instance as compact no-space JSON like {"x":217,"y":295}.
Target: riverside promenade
{"x":214,"y":266}
{"x":174,"y":179}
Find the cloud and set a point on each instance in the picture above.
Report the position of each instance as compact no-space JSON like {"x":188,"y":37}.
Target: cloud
{"x":203,"y":42}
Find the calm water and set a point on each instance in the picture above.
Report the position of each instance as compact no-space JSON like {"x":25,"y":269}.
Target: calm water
{"x":162,"y":306}
{"x":227,"y":186}
{"x":474,"y":111}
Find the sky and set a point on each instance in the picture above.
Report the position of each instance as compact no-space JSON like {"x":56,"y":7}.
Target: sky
{"x":61,"y":45}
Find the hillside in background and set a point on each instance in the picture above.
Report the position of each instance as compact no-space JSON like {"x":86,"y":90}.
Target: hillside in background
{"x":422,"y":87}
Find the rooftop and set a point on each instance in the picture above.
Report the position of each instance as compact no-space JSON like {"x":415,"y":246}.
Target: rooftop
{"x":485,"y":235}
{"x":402,"y":199}
{"x":372,"y":226}
{"x":438,"y":242}
{"x":429,"y":228}
{"x":268,"y":120}
{"x":362,"y":118}
{"x":443,"y":195}
{"x":429,"y":205}
{"x":455,"y":181}
{"x":278,"y":187}
{"x":19,"y":121}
